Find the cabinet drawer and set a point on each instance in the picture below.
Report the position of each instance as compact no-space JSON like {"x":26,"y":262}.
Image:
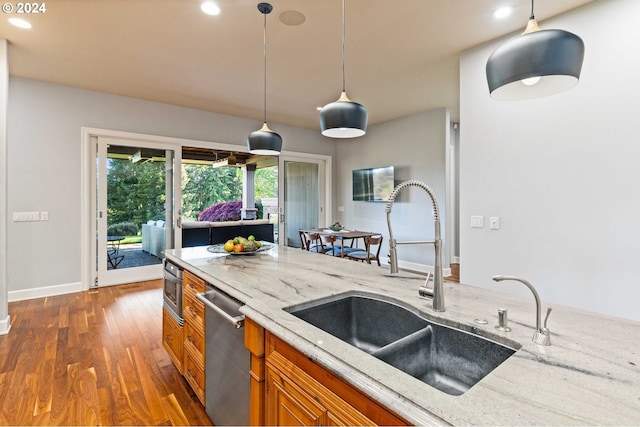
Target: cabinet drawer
{"x":193,"y":283}
{"x":194,"y":375}
{"x":194,"y":313}
{"x":194,"y":342}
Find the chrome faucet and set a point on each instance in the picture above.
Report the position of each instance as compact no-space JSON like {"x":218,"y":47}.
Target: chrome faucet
{"x":438,"y":288}
{"x":541,"y":335}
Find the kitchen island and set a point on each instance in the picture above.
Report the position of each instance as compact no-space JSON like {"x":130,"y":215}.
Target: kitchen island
{"x":589,"y":375}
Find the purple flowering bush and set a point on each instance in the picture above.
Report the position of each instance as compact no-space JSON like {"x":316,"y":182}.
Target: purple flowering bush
{"x":223,"y":211}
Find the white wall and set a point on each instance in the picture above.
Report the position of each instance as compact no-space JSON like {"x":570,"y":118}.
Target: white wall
{"x":44,"y":169}
{"x":562,"y":172}
{"x":416,"y":147}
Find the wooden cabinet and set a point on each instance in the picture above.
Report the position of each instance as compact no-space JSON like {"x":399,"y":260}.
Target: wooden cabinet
{"x":194,"y":333}
{"x":289,"y":405}
{"x":194,"y":374}
{"x":172,"y":338}
{"x":298,"y":391}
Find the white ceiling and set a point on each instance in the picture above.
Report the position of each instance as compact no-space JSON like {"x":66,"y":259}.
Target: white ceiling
{"x":401,"y":56}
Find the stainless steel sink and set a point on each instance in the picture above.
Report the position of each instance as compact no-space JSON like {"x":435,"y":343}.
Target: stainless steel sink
{"x":447,"y":358}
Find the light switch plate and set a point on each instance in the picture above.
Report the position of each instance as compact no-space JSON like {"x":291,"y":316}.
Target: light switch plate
{"x":26,"y":216}
{"x":477,"y":221}
{"x":44,"y":216}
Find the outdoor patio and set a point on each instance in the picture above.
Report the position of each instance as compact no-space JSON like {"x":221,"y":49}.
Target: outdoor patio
{"x":134,"y":256}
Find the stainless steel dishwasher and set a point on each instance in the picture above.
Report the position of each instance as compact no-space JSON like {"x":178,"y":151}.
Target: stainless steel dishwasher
{"x":227,"y":361}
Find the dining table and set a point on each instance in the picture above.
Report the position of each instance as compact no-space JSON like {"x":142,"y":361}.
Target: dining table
{"x":343,"y":235}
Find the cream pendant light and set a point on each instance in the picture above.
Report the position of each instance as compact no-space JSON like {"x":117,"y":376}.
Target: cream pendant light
{"x":535,"y":64}
{"x":343,"y":118}
{"x":265,"y":141}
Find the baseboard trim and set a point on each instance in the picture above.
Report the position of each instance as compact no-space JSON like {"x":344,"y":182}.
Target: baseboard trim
{"x":421,"y":268}
{"x":45,"y":291}
{"x":5,"y":325}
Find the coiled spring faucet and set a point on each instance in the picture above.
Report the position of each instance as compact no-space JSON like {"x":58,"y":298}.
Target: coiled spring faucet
{"x":438,"y":288}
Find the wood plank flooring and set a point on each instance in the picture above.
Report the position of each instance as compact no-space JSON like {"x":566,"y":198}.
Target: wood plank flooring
{"x":93,"y":358}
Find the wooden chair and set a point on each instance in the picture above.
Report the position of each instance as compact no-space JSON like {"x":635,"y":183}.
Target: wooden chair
{"x":367,"y":254}
{"x":311,"y":242}
{"x":331,"y":248}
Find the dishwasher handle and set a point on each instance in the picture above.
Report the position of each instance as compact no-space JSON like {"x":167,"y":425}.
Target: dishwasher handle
{"x":237,"y":321}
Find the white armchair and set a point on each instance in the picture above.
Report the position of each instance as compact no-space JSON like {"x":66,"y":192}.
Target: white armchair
{"x":153,"y":238}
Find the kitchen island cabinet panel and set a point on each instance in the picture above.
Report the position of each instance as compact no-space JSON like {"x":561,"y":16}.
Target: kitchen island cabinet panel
{"x":299,"y":389}
{"x":288,"y":405}
{"x":194,"y":333}
{"x":172,"y":338}
{"x":254,"y":342}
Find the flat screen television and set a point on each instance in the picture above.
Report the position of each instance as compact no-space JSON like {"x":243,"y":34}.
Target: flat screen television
{"x":373,"y":184}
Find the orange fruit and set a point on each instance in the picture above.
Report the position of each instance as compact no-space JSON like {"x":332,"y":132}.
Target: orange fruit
{"x":238,"y":248}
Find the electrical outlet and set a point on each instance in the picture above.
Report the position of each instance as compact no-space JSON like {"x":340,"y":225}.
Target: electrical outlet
{"x":44,"y":216}
{"x":477,"y":221}
{"x":495,"y":222}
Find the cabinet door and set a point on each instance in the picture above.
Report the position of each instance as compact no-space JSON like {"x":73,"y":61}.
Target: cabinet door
{"x":288,"y":405}
{"x":172,"y":339}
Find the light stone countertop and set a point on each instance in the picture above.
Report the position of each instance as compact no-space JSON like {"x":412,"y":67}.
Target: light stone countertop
{"x":590,"y":375}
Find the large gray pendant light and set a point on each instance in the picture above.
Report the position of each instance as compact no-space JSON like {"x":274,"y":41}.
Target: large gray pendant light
{"x":343,"y":118}
{"x":265,"y":141}
{"x":535,"y":64}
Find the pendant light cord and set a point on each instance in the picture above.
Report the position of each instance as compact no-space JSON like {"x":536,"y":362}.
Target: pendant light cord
{"x":343,"y":74}
{"x":532,"y":15}
{"x":265,"y":67}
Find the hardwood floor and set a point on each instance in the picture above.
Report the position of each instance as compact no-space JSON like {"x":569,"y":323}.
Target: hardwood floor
{"x":93,"y":358}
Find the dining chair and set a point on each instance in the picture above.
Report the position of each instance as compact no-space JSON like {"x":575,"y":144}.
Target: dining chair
{"x":367,"y":254}
{"x":312,"y":242}
{"x":334,"y":249}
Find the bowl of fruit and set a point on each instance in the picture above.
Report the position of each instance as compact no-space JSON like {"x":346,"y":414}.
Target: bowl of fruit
{"x":240,"y":246}
{"x":336,"y":227}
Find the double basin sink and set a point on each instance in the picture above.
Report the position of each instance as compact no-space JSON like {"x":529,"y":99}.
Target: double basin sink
{"x":445,"y":357}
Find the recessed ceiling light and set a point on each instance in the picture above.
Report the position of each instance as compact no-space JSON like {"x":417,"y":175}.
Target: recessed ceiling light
{"x":292,"y":18}
{"x":503,"y":12}
{"x":19,"y":22}
{"x":210,"y":8}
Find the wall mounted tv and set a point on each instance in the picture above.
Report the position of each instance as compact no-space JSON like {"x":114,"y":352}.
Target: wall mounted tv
{"x":373,"y":184}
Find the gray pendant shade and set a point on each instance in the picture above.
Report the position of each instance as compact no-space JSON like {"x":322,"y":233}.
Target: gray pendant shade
{"x":343,"y":119}
{"x":553,"y":55}
{"x":264,"y":141}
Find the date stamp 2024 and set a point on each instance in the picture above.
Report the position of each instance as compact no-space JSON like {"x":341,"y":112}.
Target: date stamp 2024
{"x":24,"y":8}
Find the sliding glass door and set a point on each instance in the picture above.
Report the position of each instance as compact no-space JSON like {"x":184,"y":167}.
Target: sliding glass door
{"x":302,"y":191}
{"x":135,"y":213}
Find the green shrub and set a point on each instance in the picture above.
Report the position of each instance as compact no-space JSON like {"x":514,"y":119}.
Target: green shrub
{"x":260,"y":213}
{"x":123,"y":229}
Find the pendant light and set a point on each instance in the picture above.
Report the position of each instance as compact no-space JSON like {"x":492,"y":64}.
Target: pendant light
{"x":535,"y":64}
{"x":343,"y":118}
{"x":265,"y":141}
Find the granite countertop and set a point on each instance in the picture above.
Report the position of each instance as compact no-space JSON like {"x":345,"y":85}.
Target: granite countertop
{"x":589,"y":375}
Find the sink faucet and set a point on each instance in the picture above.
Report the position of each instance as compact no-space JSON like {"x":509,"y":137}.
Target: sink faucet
{"x":541,"y":335}
{"x":438,"y":288}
